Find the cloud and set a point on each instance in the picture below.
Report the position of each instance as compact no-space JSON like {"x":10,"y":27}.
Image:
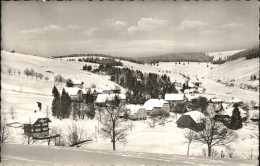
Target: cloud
{"x":51,"y":28}
{"x":115,"y":24}
{"x":91,"y":31}
{"x":191,"y":25}
{"x":148,"y":24}
{"x":232,"y":25}
{"x":44,"y":29}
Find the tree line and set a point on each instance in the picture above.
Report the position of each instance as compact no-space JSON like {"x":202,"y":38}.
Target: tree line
{"x":139,"y":83}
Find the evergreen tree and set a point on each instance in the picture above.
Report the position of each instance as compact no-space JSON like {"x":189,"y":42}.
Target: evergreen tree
{"x":236,"y":121}
{"x":65,"y":104}
{"x":55,"y":102}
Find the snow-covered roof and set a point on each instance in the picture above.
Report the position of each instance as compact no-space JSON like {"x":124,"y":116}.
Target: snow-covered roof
{"x":73,"y":91}
{"x":229,"y":112}
{"x":98,"y":90}
{"x":196,"y":116}
{"x":102,"y":98}
{"x":191,"y":85}
{"x":174,"y":96}
{"x":216,"y":100}
{"x":190,"y":97}
{"x":105,"y":88}
{"x":76,"y":81}
{"x":32,"y":117}
{"x":151,"y":103}
{"x":225,"y":105}
{"x":235,"y":100}
{"x":133,"y":108}
{"x":121,"y":96}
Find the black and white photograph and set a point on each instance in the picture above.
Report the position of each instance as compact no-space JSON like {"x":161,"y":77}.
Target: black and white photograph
{"x":130,"y":83}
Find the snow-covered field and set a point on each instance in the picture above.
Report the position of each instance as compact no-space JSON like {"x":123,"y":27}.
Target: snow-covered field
{"x":22,"y":93}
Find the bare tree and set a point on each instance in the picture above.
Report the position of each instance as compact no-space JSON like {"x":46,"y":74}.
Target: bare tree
{"x":27,"y":139}
{"x":77,"y":135}
{"x":215,"y":134}
{"x":5,"y":131}
{"x":19,"y":73}
{"x":9,"y":70}
{"x":12,"y":112}
{"x":114,"y":127}
{"x":189,"y":135}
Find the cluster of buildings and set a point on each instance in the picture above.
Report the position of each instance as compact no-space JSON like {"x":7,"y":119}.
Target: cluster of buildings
{"x":36,"y":123}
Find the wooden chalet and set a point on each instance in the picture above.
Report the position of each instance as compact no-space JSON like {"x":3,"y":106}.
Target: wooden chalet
{"x":36,"y":124}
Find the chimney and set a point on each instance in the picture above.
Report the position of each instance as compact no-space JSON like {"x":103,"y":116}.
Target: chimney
{"x":39,"y":105}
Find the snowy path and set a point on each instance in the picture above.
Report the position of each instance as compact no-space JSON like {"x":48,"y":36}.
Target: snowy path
{"x":40,"y":155}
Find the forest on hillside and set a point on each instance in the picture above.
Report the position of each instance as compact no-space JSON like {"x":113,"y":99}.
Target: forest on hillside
{"x":177,"y":57}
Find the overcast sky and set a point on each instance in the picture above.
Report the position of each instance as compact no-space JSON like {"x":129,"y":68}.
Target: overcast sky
{"x":128,"y":28}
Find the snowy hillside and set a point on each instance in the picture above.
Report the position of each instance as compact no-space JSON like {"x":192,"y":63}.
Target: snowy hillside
{"x":222,"y":54}
{"x":239,"y":69}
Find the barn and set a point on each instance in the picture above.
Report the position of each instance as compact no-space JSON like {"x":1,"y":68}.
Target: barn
{"x":193,"y":120}
{"x":36,"y":124}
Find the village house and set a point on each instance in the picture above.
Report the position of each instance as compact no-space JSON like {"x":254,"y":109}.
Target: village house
{"x":74,"y":82}
{"x":136,"y":112}
{"x":109,"y":99}
{"x":215,"y":100}
{"x":236,"y":100}
{"x":105,"y":89}
{"x":189,"y":97}
{"x":36,"y":124}
{"x":174,"y":98}
{"x":216,"y":103}
{"x":196,"y":82}
{"x":156,"y":105}
{"x":76,"y":93}
{"x":225,"y":114}
{"x":193,"y":120}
